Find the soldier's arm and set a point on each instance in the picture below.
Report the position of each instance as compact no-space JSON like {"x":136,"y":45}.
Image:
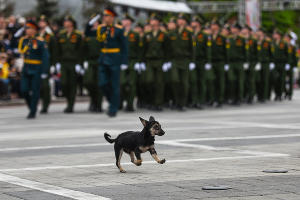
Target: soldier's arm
{"x":124,"y":48}
{"x":45,"y":58}
{"x":208,"y":45}
{"x":52,"y":48}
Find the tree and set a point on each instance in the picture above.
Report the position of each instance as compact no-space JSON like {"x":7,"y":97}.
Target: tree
{"x":7,"y":7}
{"x":47,"y":8}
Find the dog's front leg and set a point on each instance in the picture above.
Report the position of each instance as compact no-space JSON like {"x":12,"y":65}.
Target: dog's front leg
{"x":155,"y":157}
{"x":137,"y":153}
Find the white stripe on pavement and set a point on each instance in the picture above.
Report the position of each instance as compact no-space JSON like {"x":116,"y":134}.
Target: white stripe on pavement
{"x":145,"y":162}
{"x":49,"y":188}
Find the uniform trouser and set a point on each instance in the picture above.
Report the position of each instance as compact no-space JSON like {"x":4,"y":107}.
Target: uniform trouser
{"x":90,"y":81}
{"x":237,"y":82}
{"x":109,"y":82}
{"x":193,"y":93}
{"x":218,"y":68}
{"x":30,"y":88}
{"x":179,"y":78}
{"x":280,"y":74}
{"x":69,"y":82}
{"x":168,"y":93}
{"x":205,"y":83}
{"x":250,"y":81}
{"x":128,"y":84}
{"x":263,"y":83}
{"x":153,"y":83}
{"x":290,"y":85}
{"x":45,"y":94}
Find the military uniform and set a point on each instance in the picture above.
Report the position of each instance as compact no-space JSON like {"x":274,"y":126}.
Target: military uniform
{"x":45,"y":88}
{"x":69,"y":54}
{"x":280,"y":58}
{"x":154,"y":54}
{"x":181,"y":53}
{"x":36,"y":63}
{"x":292,"y":62}
{"x":129,"y":75}
{"x":219,"y":51}
{"x":91,"y":49}
{"x":113,"y":53}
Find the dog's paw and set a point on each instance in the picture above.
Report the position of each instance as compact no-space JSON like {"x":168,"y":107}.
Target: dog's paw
{"x":162,"y":161}
{"x":138,"y":163}
{"x":122,"y":171}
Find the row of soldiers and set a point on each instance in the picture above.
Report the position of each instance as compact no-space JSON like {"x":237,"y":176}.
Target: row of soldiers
{"x":178,"y":65}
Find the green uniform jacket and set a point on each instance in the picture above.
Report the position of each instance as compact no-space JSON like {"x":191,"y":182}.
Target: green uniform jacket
{"x":91,"y":49}
{"x":155,"y":47}
{"x":202,"y":43}
{"x":133,"y":40}
{"x":251,"y":47}
{"x":264,"y":53}
{"x":52,"y":47}
{"x":69,"y":48}
{"x":219,"y":49}
{"x":237,"y":51}
{"x":280,"y":52}
{"x":292,"y":55}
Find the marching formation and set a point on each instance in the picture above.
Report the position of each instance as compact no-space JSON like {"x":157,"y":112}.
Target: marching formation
{"x":183,"y":63}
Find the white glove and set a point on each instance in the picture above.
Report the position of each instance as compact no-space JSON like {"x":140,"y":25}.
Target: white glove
{"x":272,"y":66}
{"x":226,"y":67}
{"x":246,"y":66}
{"x":58,"y":66}
{"x":143,"y":66}
{"x":295,"y":69}
{"x":192,"y":66}
{"x":85,"y":65}
{"x":82,"y":71}
{"x":137,"y":67}
{"x":124,"y":67}
{"x":207,"y":66}
{"x":44,"y":76}
{"x":169,"y":64}
{"x":94,"y":19}
{"x":165,"y":67}
{"x":52,"y":69}
{"x":258,"y":67}
{"x":287,"y":67}
{"x":77,"y":68}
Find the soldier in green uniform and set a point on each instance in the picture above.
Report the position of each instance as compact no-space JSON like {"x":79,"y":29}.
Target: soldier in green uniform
{"x":69,"y":56}
{"x":205,"y":75}
{"x":129,"y":75}
{"x":291,"y":65}
{"x":237,"y":59}
{"x":262,"y":68}
{"x":154,"y":54}
{"x":280,"y":58}
{"x":219,"y":51}
{"x":36,"y":66}
{"x":46,"y":34}
{"x":251,"y":60}
{"x":182,"y":66}
{"x":113,"y":56}
{"x":91,"y":49}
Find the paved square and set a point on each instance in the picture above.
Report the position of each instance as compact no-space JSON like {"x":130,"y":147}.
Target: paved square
{"x":59,"y":156}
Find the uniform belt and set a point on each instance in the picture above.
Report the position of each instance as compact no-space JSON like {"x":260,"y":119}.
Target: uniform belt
{"x":110,"y":50}
{"x":32,"y":62}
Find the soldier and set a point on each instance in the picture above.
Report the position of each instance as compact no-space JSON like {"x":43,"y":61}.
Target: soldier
{"x":113,"y":55}
{"x":45,"y":33}
{"x":129,"y":75}
{"x":291,"y":65}
{"x":237,"y":59}
{"x":205,"y":75}
{"x":251,"y":60}
{"x":219,"y":52}
{"x":181,"y":43}
{"x":69,"y":57}
{"x":36,"y":66}
{"x":91,"y":49}
{"x":280,"y":59}
{"x":262,"y":68}
{"x":154,"y":53}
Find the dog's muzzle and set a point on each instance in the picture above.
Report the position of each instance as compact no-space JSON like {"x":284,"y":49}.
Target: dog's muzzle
{"x":161,"y":133}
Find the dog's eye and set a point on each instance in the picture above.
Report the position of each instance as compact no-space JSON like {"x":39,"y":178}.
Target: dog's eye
{"x":156,"y":127}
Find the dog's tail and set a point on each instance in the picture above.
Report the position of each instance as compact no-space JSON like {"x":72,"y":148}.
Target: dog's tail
{"x":108,"y":138}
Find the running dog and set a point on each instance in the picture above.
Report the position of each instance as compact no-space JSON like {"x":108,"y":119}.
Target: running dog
{"x":134,"y":143}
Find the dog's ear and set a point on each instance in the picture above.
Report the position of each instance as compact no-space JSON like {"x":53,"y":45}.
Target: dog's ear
{"x":151,"y":119}
{"x":144,"y":122}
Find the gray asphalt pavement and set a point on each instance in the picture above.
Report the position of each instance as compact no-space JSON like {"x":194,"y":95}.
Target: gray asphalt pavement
{"x":60,"y":157}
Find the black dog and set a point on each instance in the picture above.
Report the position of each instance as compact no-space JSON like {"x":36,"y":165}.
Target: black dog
{"x":135,"y":143}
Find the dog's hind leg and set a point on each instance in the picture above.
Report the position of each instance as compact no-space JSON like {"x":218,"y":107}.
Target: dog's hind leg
{"x":137,"y":153}
{"x":118,"y":154}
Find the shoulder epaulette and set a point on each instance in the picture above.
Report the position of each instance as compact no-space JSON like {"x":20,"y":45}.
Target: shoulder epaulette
{"x":62,"y":31}
{"x":78,"y":32}
{"x":118,"y":26}
{"x":189,"y":29}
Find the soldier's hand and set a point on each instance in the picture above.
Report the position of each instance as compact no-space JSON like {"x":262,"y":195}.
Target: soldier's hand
{"x":287,"y":67}
{"x":246,"y":66}
{"x":77,"y":68}
{"x":58,"y":66}
{"x":226,"y":67}
{"x":165,"y":67}
{"x":272,"y":66}
{"x":258,"y":67}
{"x":137,"y":67}
{"x":124,"y":67}
{"x":85,"y":65}
{"x":143,"y":66}
{"x":207,"y":66}
{"x":192,"y":66}
{"x":44,"y":76}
